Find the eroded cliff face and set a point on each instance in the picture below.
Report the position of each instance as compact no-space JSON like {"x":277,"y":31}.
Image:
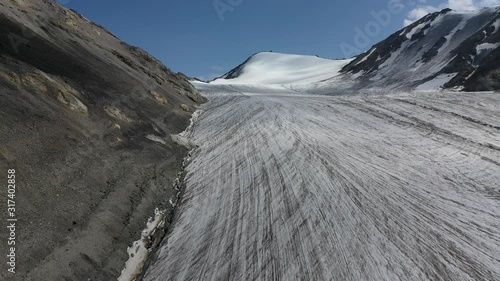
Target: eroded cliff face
{"x":80,"y":111}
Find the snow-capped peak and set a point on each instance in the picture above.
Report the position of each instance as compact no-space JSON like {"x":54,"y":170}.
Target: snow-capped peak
{"x":277,"y":68}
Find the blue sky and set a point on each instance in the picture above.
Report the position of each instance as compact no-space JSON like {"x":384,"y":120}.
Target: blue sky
{"x":208,"y":38}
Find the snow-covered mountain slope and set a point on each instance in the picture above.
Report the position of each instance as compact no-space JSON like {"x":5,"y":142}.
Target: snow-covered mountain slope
{"x":271,"y":68}
{"x":444,"y":49}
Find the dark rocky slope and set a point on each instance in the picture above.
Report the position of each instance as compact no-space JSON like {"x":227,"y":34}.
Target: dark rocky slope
{"x":76,"y":107}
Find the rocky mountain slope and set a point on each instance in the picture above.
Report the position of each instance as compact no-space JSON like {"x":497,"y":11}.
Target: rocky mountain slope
{"x":86,"y":120}
{"x":444,"y":49}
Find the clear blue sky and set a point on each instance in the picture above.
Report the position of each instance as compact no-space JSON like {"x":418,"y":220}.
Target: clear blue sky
{"x":190,"y":36}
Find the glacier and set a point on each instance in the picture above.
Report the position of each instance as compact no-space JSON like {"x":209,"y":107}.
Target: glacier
{"x":289,"y":185}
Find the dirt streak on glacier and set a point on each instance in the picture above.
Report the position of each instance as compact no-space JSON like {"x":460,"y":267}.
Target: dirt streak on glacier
{"x":290,"y":187}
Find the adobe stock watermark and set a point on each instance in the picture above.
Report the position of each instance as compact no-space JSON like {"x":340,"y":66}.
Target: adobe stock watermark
{"x":363,"y":36}
{"x":11,"y":221}
{"x":18,"y":40}
{"x":223,"y":6}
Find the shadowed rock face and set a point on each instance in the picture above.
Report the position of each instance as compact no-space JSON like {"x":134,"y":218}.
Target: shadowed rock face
{"x":76,"y":105}
{"x":446,"y":42}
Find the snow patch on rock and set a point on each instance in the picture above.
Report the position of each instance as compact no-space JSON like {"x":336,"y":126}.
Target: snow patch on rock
{"x":140,"y":249}
{"x":156,"y":139}
{"x":183,"y":138}
{"x":486,"y":46}
{"x":436,"y":83}
{"x":367,"y":56}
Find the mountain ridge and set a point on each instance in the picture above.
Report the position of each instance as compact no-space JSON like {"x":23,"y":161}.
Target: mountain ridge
{"x":442,"y":50}
{"x":440,"y":43}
